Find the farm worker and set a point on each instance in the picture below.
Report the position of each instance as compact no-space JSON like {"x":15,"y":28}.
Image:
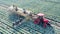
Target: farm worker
{"x":41,"y":19}
{"x":16,"y":8}
{"x":24,"y":11}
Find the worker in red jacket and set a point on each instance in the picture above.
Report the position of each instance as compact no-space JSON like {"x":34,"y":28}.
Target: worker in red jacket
{"x":42,"y":20}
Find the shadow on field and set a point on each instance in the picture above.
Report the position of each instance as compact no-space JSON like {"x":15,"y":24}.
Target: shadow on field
{"x":14,"y":17}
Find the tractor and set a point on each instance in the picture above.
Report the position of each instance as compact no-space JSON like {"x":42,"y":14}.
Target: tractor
{"x":37,"y":18}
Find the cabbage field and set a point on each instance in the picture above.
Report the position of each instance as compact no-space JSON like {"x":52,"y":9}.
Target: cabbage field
{"x":51,"y":9}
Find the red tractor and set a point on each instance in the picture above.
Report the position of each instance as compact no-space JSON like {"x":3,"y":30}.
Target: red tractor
{"x":41,"y":20}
